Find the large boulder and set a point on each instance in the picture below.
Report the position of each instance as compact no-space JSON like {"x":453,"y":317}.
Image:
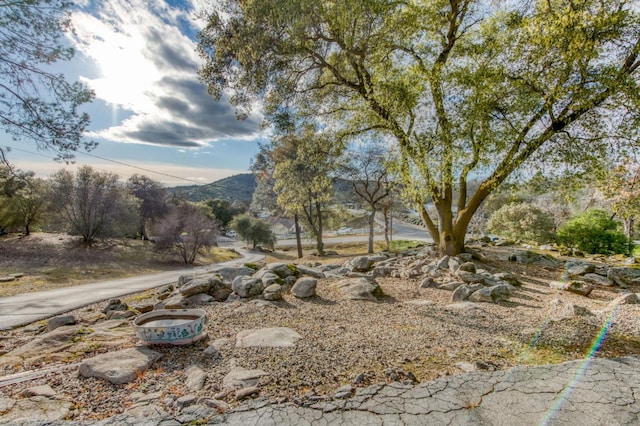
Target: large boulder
{"x":360,"y":288}
{"x":623,"y":276}
{"x":576,"y":269}
{"x":196,"y":286}
{"x":230,"y":273}
{"x":247,"y":286}
{"x":304,"y":287}
{"x":310,"y":271}
{"x":119,"y":367}
{"x":463,"y":292}
{"x":578,"y":287}
{"x":274,"y":337}
{"x":470,"y":277}
{"x":361,"y":263}
{"x":282,"y":270}
{"x":491,"y":294}
{"x":507,"y":277}
{"x":272,"y":292}
{"x":597,"y":279}
{"x":529,"y":257}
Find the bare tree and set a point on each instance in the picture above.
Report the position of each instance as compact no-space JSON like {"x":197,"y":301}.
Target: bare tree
{"x":185,"y":230}
{"x":94,"y":204}
{"x":152,"y":196}
{"x":370,"y":178}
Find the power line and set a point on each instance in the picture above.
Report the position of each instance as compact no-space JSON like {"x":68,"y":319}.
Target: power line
{"x":112,"y":161}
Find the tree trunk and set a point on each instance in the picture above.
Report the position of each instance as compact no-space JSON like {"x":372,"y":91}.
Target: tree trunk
{"x":319,"y":243}
{"x":628,"y":224}
{"x":296,"y":221}
{"x":372,"y":220}
{"x":387,"y":226}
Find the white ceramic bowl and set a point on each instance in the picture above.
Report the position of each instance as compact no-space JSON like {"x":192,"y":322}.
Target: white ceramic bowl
{"x":170,"y":326}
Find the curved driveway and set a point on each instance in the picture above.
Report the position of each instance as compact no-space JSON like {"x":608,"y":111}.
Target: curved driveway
{"x":29,"y":307}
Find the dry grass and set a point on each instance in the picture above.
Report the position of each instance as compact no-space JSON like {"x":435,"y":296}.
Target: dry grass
{"x":49,"y":261}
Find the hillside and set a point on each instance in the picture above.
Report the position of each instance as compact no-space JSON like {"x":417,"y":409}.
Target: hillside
{"x":239,"y":187}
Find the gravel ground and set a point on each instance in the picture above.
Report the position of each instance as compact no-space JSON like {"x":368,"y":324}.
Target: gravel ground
{"x":360,"y":343}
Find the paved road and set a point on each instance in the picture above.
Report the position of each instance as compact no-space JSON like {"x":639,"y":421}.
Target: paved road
{"x":29,"y":307}
{"x":401,"y":231}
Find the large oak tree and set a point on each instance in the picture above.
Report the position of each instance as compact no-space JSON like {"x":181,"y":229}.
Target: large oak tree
{"x":468,"y":89}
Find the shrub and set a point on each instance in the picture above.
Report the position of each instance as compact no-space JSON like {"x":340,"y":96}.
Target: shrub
{"x":522,"y":221}
{"x":593,"y":232}
{"x":253,"y":231}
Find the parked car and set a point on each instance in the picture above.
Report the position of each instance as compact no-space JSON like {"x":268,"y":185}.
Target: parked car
{"x":231,"y":234}
{"x":344,"y":230}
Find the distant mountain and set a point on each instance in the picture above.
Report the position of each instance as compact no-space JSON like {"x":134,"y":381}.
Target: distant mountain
{"x":238,"y":187}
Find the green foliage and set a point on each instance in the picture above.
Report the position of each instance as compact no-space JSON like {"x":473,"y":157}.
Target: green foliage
{"x":522,"y":221}
{"x":464,"y":88}
{"x":224,"y":211}
{"x":253,"y":231}
{"x":35,"y":103}
{"x":593,"y":232}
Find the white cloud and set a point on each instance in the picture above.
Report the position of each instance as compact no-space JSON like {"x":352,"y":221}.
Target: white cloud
{"x":148,"y":66}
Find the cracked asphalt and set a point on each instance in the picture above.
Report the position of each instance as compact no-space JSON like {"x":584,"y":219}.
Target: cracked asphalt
{"x":588,"y":392}
{"x":595,"y":392}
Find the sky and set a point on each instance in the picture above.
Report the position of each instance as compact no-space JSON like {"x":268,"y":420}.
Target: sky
{"x":150,"y":114}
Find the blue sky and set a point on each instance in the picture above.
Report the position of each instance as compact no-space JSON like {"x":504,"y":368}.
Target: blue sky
{"x":150,"y":110}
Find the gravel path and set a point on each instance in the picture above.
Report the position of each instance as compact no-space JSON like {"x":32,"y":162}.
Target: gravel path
{"x":412,"y":335}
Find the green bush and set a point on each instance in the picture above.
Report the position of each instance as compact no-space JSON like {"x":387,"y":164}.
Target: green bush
{"x":522,"y":221}
{"x":593,"y":232}
{"x":253,"y":231}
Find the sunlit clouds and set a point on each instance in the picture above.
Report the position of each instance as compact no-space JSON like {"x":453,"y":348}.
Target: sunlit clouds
{"x":148,"y":66}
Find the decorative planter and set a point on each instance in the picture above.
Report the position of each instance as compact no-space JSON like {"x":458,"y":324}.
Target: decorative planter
{"x":170,"y":326}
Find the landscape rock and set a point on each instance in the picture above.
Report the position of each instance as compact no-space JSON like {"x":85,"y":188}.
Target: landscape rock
{"x":304,"y":287}
{"x":428,"y":282}
{"x":230,"y":273}
{"x":246,"y":392}
{"x":275,"y":337}
{"x":268,"y":278}
{"x":465,"y":257}
{"x":450,"y":286}
{"x":529,"y":257}
{"x":467,"y":267}
{"x":115,"y":305}
{"x":463,"y":292}
{"x":597,"y":279}
{"x":239,"y":378}
{"x":195,"y":378}
{"x":443,"y":262}
{"x":115,"y":315}
{"x":470,"y":277}
{"x":508,"y":277}
{"x":42,"y":390}
{"x":119,"y":367}
{"x":382,"y":271}
{"x":60,"y":321}
{"x":573,"y":310}
{"x":175,"y":302}
{"x":361,"y":263}
{"x":282,"y":270}
{"x":491,"y":294}
{"x":195,"y":286}
{"x":247,"y":286}
{"x":35,"y":410}
{"x":310,"y":272}
{"x":623,"y":276}
{"x":454,"y":264}
{"x":575,"y":269}
{"x":577,"y":287}
{"x":362,"y":288}
{"x":143,"y":308}
{"x":198,"y":299}
{"x":272,"y":292}
{"x":625,"y":299}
